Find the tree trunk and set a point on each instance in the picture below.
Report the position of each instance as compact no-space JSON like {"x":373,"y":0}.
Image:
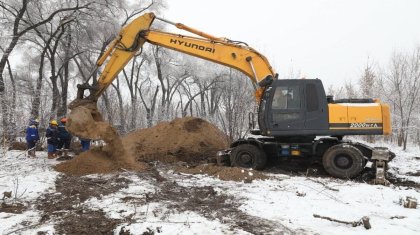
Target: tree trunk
{"x":405,"y":139}
{"x":400,"y":138}
{"x":37,"y":95}
{"x":4,"y":105}
{"x":55,"y":96}
{"x":107,"y":107}
{"x":62,"y":111}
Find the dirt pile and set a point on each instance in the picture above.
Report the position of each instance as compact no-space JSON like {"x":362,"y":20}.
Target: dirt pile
{"x":191,"y":140}
{"x":18,"y":145}
{"x":86,"y":122}
{"x":225,"y":173}
{"x":96,"y":161}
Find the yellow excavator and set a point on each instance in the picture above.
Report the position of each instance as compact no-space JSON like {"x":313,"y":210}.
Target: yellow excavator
{"x":295,"y":117}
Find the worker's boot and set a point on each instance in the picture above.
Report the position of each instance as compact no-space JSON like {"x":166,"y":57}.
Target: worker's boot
{"x":65,"y":153}
{"x":59,"y":152}
{"x":50,"y":155}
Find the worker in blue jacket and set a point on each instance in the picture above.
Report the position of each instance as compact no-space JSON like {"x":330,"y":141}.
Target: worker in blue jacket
{"x":64,"y":138}
{"x":32,"y":137}
{"x":52,"y":139}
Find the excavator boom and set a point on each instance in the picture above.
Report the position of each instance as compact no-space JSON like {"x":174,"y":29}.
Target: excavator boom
{"x":121,"y":51}
{"x":219,"y":50}
{"x":240,"y":57}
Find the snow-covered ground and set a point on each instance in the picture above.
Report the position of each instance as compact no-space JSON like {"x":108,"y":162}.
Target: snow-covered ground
{"x":27,"y":179}
{"x":283,"y":203}
{"x":406,"y":163}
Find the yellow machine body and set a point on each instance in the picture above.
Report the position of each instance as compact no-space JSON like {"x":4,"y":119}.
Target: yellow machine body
{"x":364,"y":117}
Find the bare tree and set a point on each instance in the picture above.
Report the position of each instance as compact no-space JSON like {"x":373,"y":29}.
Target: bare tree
{"x":120,"y":106}
{"x":350,"y":90}
{"x":401,"y":86}
{"x":149,"y":102}
{"x":132,"y":79}
{"x":170,"y":79}
{"x":202,"y":88}
{"x":16,"y":13}
{"x":236,"y":104}
{"x":367,"y":84}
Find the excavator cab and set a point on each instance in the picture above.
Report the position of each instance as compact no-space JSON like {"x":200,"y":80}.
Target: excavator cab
{"x":294,"y":107}
{"x":300,"y":109}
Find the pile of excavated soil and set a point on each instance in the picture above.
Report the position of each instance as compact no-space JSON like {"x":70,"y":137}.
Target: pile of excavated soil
{"x":86,"y":122}
{"x":225,"y":173}
{"x":191,"y":140}
{"x":96,"y":161}
{"x":18,"y":145}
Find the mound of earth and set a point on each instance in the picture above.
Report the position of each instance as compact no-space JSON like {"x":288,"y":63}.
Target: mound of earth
{"x":96,"y":161}
{"x":225,"y":173}
{"x":18,"y":145}
{"x":86,"y":122}
{"x":191,"y":140}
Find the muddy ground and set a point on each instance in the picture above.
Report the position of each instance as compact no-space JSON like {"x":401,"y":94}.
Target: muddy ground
{"x":64,"y":206}
{"x":66,"y":209}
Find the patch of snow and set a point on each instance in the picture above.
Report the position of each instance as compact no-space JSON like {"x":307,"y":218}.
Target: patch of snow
{"x":276,"y":200}
{"x":179,"y":223}
{"x":27,"y":179}
{"x":114,"y":205}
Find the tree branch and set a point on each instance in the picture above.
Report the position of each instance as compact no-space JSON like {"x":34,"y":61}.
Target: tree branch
{"x":51,"y":16}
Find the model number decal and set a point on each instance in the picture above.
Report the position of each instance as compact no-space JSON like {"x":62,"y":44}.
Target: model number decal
{"x":363,"y":125}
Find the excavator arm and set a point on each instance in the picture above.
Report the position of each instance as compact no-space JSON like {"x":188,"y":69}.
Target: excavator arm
{"x":240,"y":57}
{"x":219,"y":50}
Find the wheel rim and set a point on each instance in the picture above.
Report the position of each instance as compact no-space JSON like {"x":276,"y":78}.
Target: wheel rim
{"x":343,"y":161}
{"x":245,"y":159}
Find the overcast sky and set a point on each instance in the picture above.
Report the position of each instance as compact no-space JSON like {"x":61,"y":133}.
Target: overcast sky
{"x":330,"y":40}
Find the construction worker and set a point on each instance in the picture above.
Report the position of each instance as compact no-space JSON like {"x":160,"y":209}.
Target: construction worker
{"x":64,"y":138}
{"x":32,"y":137}
{"x":52,"y":139}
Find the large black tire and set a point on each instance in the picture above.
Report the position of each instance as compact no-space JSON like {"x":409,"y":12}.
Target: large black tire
{"x":248,"y":156}
{"x":343,"y":161}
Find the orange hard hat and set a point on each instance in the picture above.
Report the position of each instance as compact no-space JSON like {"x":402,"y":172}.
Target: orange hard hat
{"x":63,"y":120}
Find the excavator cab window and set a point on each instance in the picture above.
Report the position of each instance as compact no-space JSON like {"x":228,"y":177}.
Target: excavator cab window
{"x":286,"y":97}
{"x":286,"y":106}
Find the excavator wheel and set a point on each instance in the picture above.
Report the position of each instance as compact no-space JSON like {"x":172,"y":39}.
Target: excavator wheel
{"x":343,"y":161}
{"x":248,"y":156}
